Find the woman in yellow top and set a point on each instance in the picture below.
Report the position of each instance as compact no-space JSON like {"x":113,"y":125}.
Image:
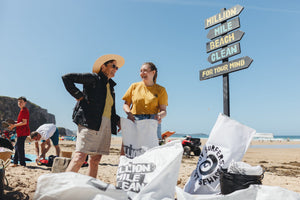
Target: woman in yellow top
{"x":146,"y":99}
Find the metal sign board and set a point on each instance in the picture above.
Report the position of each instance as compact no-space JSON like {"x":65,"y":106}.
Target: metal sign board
{"x":224,"y":28}
{"x":226,"y":52}
{"x":226,"y":67}
{"x":222,"y":16}
{"x":224,"y":40}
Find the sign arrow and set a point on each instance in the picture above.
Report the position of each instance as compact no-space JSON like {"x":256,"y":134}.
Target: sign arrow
{"x":226,"y":52}
{"x":224,"y":40}
{"x":222,"y":16}
{"x":226,"y":67}
{"x":224,"y":28}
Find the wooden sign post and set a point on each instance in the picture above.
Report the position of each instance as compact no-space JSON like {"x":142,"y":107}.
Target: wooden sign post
{"x":222,"y":36}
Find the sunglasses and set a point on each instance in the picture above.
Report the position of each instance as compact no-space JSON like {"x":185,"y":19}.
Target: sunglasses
{"x":115,"y":67}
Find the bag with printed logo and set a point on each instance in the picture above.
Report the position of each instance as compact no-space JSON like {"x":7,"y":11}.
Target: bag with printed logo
{"x":228,"y":140}
{"x":138,"y":136}
{"x":152,"y":175}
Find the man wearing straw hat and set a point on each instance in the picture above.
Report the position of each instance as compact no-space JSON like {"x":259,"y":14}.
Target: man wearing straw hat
{"x":94,"y":113}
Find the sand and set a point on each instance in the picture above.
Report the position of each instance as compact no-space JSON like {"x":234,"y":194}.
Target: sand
{"x":282,"y":167}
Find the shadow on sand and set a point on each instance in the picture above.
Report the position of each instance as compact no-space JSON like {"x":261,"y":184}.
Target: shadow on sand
{"x":14,"y":195}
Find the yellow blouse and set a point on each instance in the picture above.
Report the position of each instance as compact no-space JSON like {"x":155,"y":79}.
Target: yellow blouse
{"x":108,"y":103}
{"x":145,"y":100}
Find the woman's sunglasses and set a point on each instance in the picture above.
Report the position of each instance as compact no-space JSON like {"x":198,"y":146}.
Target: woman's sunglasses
{"x":115,"y":67}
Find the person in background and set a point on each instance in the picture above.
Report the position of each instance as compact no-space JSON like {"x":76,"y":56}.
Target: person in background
{"x":44,"y":133}
{"x":94,"y":113}
{"x":146,"y":99}
{"x":22,"y":129}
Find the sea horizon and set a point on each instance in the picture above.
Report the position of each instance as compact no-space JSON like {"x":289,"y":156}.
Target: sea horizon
{"x":205,"y":136}
{"x":275,"y":137}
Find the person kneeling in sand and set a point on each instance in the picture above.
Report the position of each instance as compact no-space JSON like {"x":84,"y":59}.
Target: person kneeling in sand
{"x":44,"y":133}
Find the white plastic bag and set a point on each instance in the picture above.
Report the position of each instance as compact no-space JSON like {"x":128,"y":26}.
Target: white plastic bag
{"x":254,"y":192}
{"x":152,"y":175}
{"x":60,"y":164}
{"x":138,"y":136}
{"x":228,"y":140}
{"x":70,"y":185}
{"x":244,"y":168}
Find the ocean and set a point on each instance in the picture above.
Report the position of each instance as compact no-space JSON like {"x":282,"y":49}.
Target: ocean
{"x":204,"y":136}
{"x":274,"y":146}
{"x":275,"y":138}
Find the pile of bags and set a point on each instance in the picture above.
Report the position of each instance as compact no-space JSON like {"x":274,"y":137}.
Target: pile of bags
{"x":152,"y":175}
{"x":150,"y":172}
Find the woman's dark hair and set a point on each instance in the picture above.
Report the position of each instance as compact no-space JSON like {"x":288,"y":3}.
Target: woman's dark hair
{"x":153,"y":68}
{"x":107,"y":62}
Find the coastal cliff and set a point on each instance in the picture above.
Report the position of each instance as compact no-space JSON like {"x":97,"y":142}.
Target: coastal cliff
{"x":38,"y":116}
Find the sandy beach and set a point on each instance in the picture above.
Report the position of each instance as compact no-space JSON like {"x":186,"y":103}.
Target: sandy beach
{"x":282,"y":167}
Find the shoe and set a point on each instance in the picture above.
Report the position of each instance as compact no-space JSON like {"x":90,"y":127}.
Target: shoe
{"x":14,"y":165}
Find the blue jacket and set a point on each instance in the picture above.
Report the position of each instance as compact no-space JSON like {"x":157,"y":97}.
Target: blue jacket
{"x":88,"y":112}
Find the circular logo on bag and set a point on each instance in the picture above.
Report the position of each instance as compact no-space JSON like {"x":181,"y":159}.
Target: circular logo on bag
{"x":209,"y":165}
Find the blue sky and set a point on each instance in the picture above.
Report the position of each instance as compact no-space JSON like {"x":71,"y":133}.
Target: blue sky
{"x":43,"y":40}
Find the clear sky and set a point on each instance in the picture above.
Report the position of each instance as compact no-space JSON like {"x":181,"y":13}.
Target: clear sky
{"x":42,"y":40}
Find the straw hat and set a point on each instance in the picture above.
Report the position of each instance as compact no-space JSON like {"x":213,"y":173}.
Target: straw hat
{"x":103,"y":59}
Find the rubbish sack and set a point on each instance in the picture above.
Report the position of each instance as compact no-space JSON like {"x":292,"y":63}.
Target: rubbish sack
{"x":230,"y":182}
{"x":228,"y":140}
{"x":138,"y":136}
{"x":254,"y":192}
{"x":75,"y":186}
{"x":60,"y":164}
{"x":152,"y":175}
{"x":244,"y":168}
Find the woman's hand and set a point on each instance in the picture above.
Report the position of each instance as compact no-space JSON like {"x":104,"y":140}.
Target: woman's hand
{"x":158,"y":117}
{"x":162,"y":113}
{"x":130,"y":116}
{"x":126,"y":108}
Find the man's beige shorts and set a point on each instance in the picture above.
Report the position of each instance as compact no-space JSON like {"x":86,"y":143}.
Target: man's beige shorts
{"x":94,"y":142}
